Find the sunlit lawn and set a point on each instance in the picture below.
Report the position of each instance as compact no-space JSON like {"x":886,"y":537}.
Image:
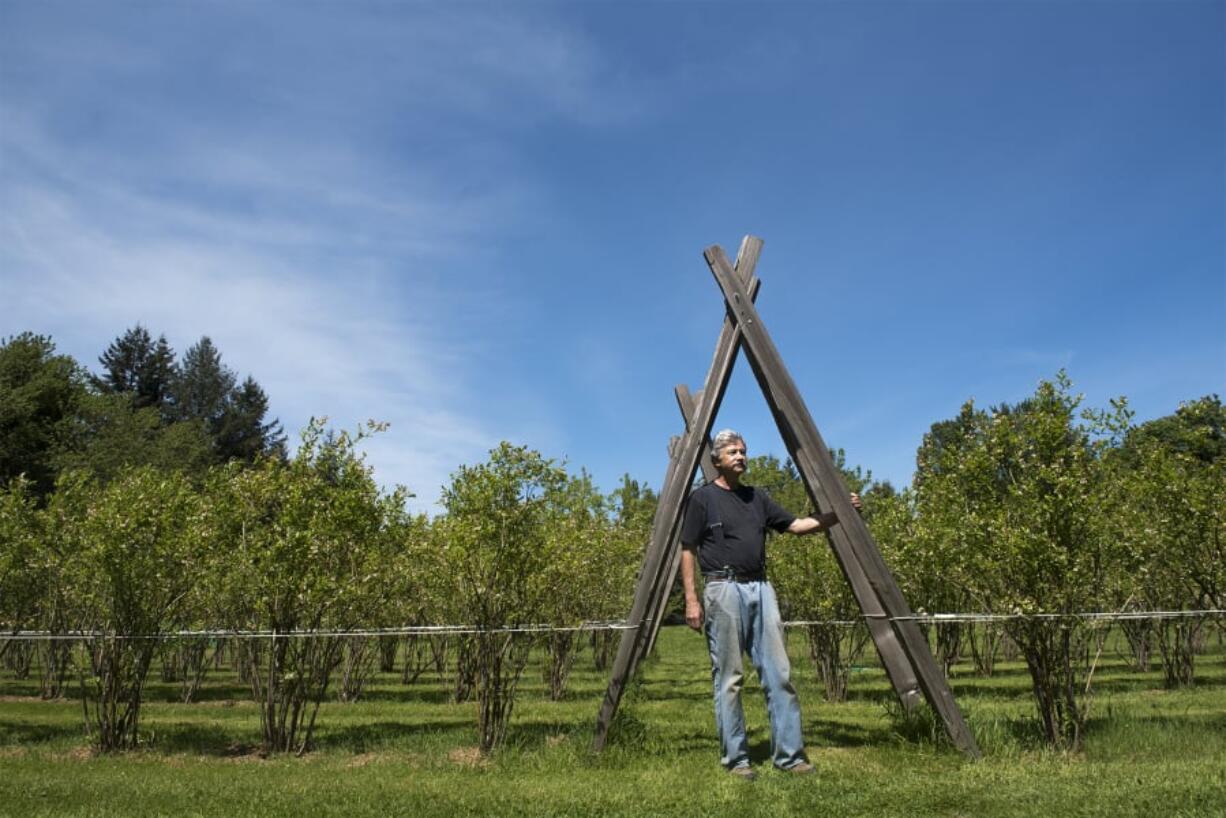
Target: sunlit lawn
{"x":410,"y":751}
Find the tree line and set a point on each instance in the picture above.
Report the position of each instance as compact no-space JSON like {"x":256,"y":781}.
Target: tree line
{"x":146,"y":406}
{"x":154,"y":498}
{"x":291,"y":548}
{"x":1043,"y":507}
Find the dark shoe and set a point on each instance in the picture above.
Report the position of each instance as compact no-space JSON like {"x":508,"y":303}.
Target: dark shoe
{"x":803,"y":768}
{"x":744,"y":771}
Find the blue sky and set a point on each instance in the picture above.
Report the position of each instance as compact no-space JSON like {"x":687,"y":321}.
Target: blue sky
{"x":485,"y":221}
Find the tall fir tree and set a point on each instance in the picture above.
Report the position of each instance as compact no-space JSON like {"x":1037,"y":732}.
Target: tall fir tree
{"x":137,"y":365}
{"x":243,"y":434}
{"x":203,"y":386}
{"x":206,"y":390}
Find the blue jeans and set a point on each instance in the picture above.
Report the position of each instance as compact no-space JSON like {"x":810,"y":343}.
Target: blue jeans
{"x":743,"y":617}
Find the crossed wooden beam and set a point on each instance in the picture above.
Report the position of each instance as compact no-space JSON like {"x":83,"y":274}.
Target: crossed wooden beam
{"x":904,"y":651}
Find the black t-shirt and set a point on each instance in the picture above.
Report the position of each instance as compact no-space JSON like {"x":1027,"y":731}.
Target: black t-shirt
{"x":743,"y":515}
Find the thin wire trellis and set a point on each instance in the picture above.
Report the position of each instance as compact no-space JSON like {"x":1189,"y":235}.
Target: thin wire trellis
{"x":972,"y":618}
{"x":462,"y":630}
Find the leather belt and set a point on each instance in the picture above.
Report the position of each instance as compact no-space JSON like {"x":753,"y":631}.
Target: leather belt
{"x":730,"y":575}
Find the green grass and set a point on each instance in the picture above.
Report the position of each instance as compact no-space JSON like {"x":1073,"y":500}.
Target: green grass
{"x":409,"y":751}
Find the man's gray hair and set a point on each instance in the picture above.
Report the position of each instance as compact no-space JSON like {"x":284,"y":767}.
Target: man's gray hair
{"x":722,"y":440}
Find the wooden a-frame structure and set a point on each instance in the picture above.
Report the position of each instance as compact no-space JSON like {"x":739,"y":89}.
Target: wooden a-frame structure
{"x":904,"y":651}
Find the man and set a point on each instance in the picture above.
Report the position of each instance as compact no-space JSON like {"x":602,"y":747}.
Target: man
{"x":724,"y":534}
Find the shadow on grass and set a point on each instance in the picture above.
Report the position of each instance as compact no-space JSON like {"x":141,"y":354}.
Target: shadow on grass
{"x":162,"y":693}
{"x":542,"y":734}
{"x":213,"y":740}
{"x":663,"y":695}
{"x":655,"y":744}
{"x":841,"y":734}
{"x":202,"y":739}
{"x":876,"y":695}
{"x":1025,"y":732}
{"x":24,"y":688}
{"x":27,"y":733}
{"x":818,"y":733}
{"x":990,"y":688}
{"x":1179,"y":721}
{"x":370,"y":736}
{"x":406,"y":695}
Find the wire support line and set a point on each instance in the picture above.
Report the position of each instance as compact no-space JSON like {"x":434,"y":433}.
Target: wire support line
{"x":610,"y":625}
{"x":970,"y":618}
{"x":414,"y":630}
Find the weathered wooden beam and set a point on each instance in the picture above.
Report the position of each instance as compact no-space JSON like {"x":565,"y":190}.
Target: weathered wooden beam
{"x":850,"y":539}
{"x":687,"y":404}
{"x":661,"y":585}
{"x":673,"y":495}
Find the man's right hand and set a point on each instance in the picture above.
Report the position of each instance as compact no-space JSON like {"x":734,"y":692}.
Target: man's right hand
{"x":693,"y":614}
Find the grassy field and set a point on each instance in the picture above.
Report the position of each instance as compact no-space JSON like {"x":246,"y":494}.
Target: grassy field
{"x":409,"y":751}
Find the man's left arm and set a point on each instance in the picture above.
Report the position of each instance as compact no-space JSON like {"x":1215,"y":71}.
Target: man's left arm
{"x":820,"y":522}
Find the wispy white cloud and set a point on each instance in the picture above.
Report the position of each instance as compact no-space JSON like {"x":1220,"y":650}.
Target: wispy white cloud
{"x":262,"y":201}
{"x":319,"y":346}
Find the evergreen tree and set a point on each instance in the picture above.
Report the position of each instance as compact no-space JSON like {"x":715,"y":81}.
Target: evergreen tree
{"x":243,"y":434}
{"x":136,"y":364}
{"x":203,"y":387}
{"x":207,"y":391}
